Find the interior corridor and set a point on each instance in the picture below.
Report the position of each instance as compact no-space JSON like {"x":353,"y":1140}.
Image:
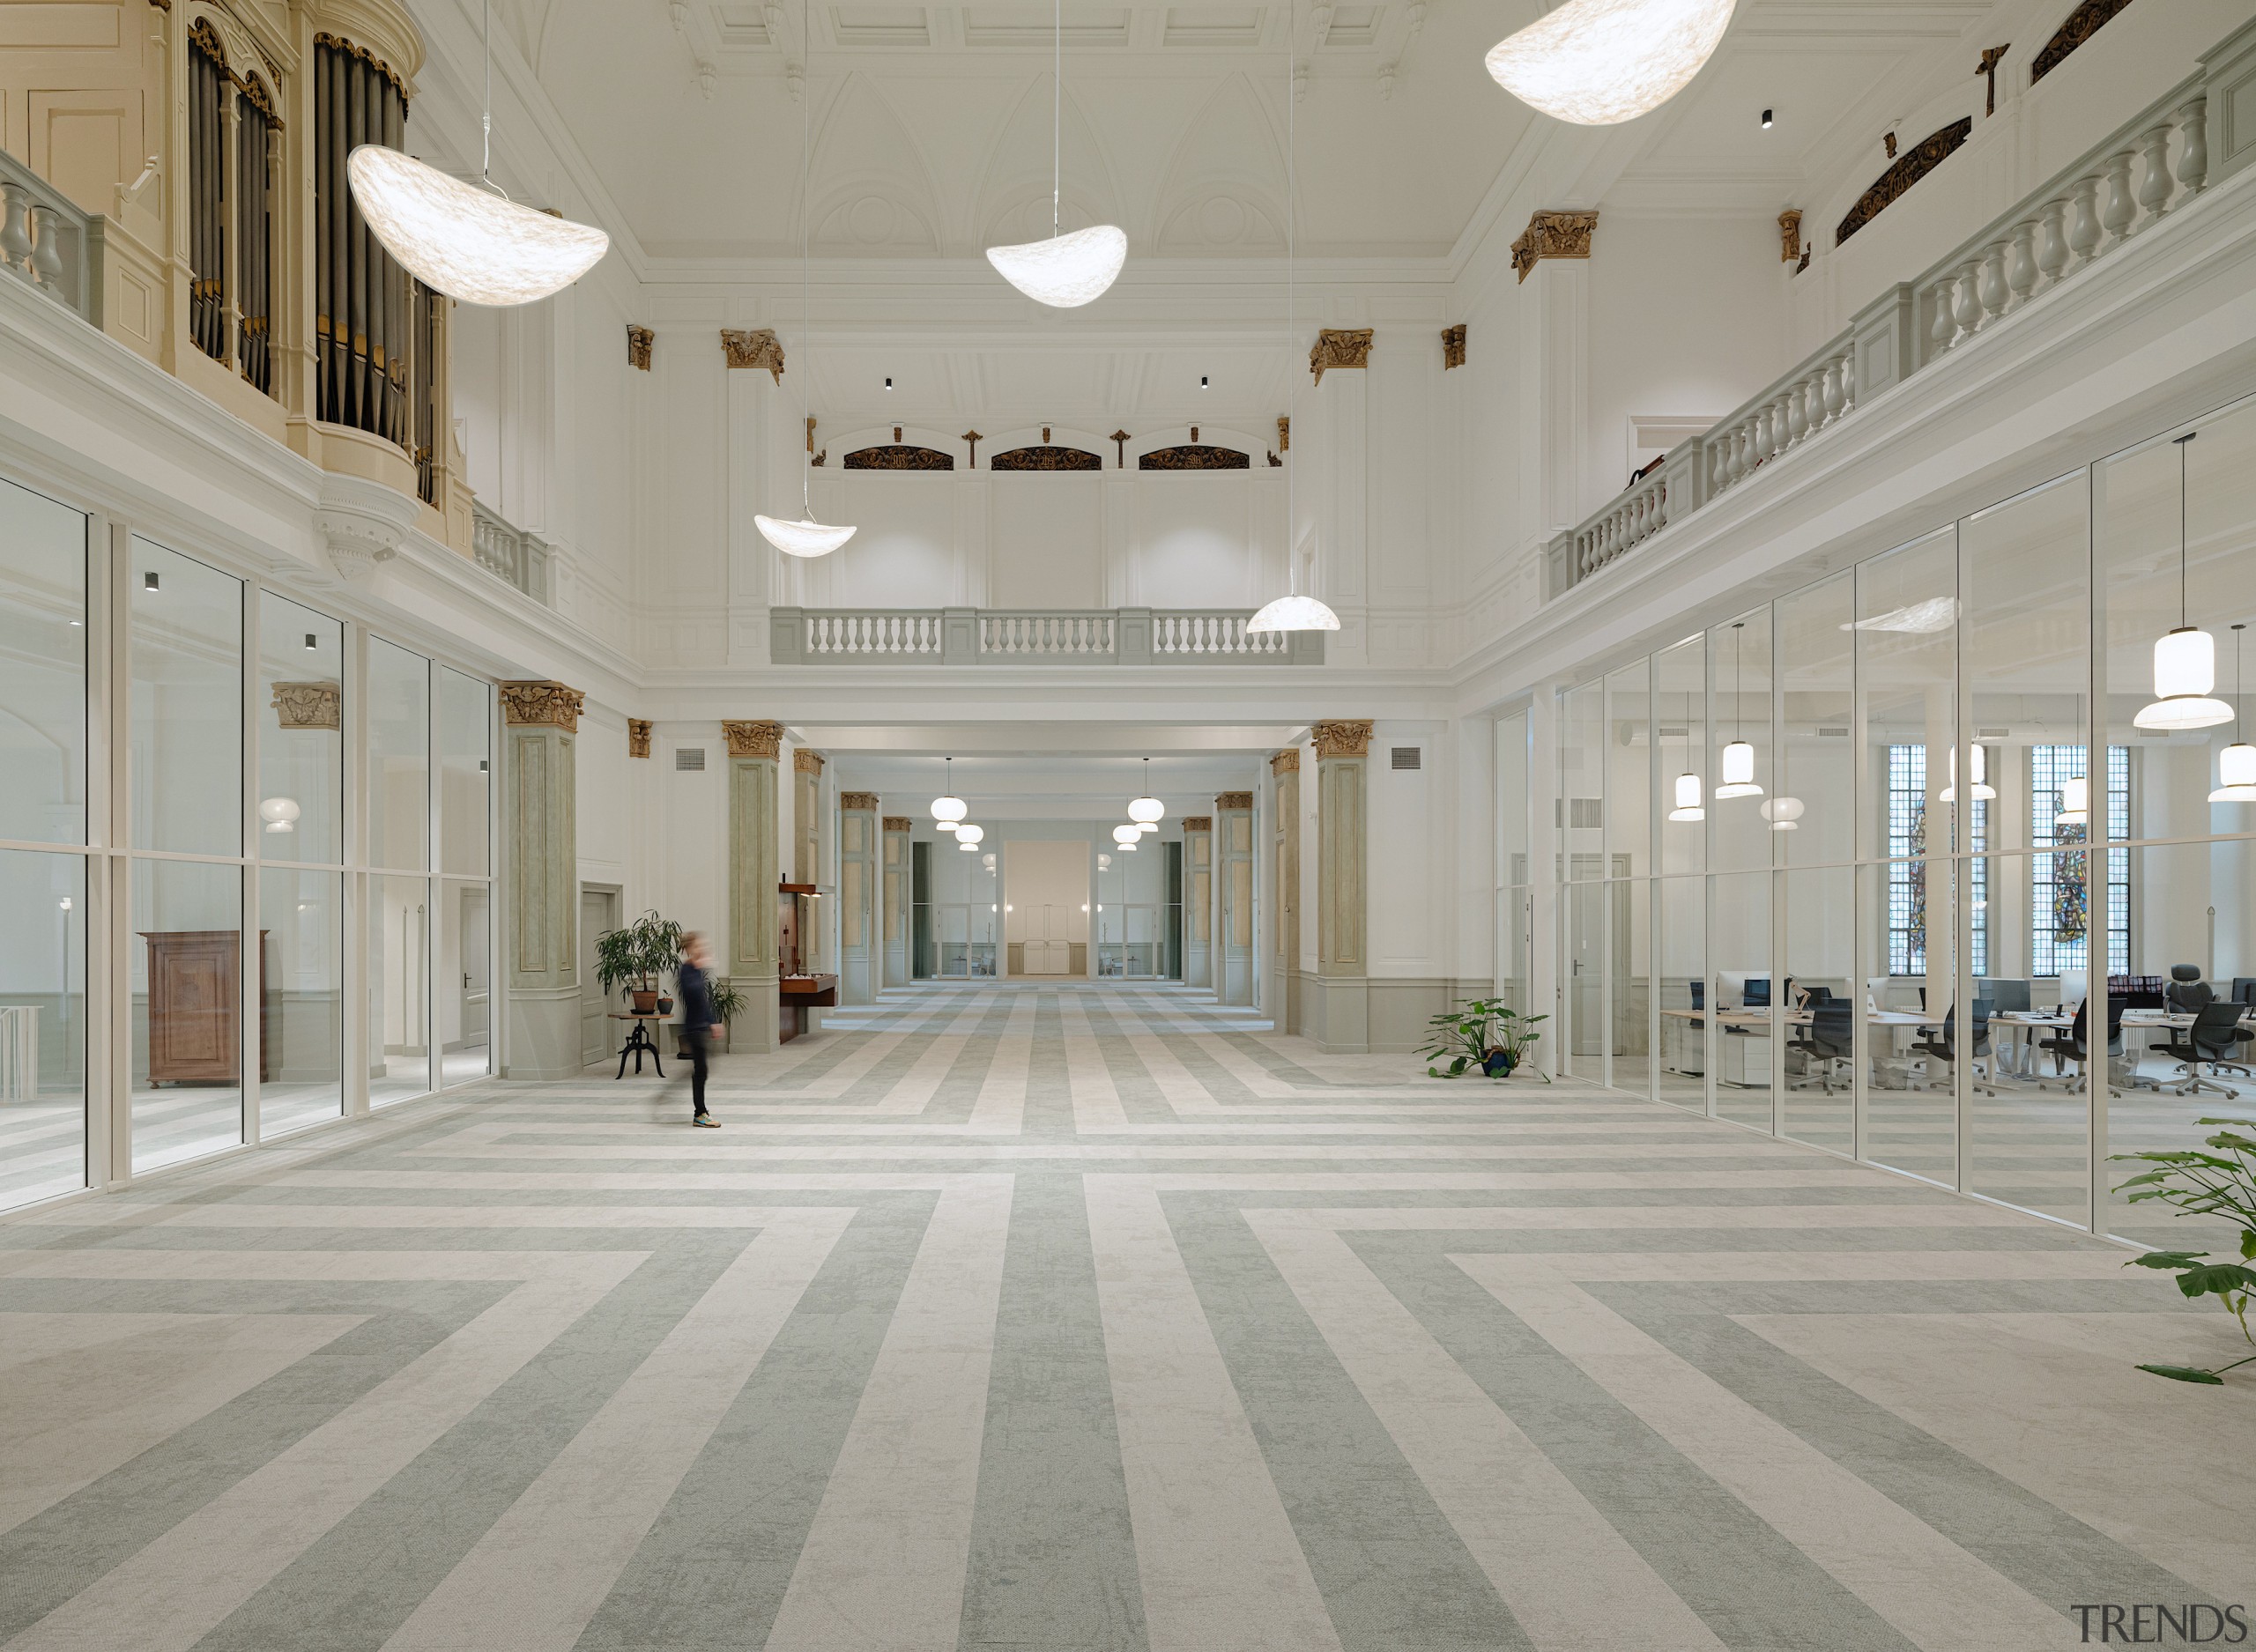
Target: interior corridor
{"x":1069,"y":1316}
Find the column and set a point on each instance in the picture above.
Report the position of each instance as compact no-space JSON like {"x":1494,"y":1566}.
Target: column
{"x":815,"y":945}
{"x":541,"y":835}
{"x":859,"y":960}
{"x":1342,"y":955}
{"x":753,"y":962}
{"x":900,"y":880}
{"x":1197,"y":899}
{"x":1285,"y":901}
{"x":1234,"y":880}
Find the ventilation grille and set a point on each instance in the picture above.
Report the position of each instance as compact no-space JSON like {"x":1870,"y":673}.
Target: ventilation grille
{"x":1832,"y":734}
{"x":688,"y":757}
{"x":1409,"y":757}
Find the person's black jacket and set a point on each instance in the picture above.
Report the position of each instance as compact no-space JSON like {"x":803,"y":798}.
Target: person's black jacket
{"x":696,"y":997}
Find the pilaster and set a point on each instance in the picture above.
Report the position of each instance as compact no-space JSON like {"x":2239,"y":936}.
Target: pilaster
{"x":1342,"y":927}
{"x":807,"y":859}
{"x":899,"y":874}
{"x":1285,"y":906}
{"x":1198,"y":899}
{"x":541,"y":722}
{"x":754,"y":963}
{"x":1234,"y":903}
{"x":858,"y":958}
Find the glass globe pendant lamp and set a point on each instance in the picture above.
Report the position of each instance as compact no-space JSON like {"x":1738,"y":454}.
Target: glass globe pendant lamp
{"x":470,"y":242}
{"x":2185,"y":658}
{"x":967,"y":837}
{"x":1783,"y":813}
{"x":947,"y":807}
{"x":279,"y":813}
{"x":1687,"y":799}
{"x":1124,"y":837}
{"x":2237,"y":763}
{"x":1147,"y":811}
{"x":1067,"y":270}
{"x":1599,"y":62}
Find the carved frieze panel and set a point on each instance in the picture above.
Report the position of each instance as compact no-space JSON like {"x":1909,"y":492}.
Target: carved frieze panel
{"x":1553,"y":235}
{"x":1348,"y":737}
{"x":1193,"y":457}
{"x":863,"y":802}
{"x":899,"y":822}
{"x":541,"y":704}
{"x":2079,"y":26}
{"x":1047,"y":458}
{"x":900,"y":457}
{"x":1339,"y":347}
{"x":308,"y":705}
{"x":758,"y":348}
{"x":1233,"y":800}
{"x":1913,"y":165}
{"x":753,"y":739}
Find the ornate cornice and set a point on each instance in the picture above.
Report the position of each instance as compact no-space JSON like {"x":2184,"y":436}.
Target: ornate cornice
{"x":758,"y":348}
{"x":1286,"y":761}
{"x":1339,"y":347}
{"x":1349,"y":737}
{"x":544,"y":704}
{"x":1790,"y":235}
{"x":638,"y":736}
{"x":638,"y":340}
{"x":1228,"y":800}
{"x":1198,"y":823}
{"x":1452,"y":347}
{"x":310,"y":705}
{"x":899,"y":822}
{"x":1553,"y":235}
{"x":753,"y":739}
{"x":806,"y":762}
{"x":864,"y":802}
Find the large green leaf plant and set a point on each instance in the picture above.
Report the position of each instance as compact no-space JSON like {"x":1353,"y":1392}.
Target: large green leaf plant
{"x":2220,"y":1181}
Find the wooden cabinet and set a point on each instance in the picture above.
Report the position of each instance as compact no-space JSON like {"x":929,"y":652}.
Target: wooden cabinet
{"x":797,"y":992}
{"x":195,"y":1006}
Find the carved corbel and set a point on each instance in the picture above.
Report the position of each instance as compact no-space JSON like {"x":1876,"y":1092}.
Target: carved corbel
{"x":543,"y":704}
{"x":753,"y":739}
{"x":1553,"y":235}
{"x":1452,"y":347}
{"x":638,"y":736}
{"x":758,"y":348}
{"x":638,"y":340}
{"x":1790,"y":235}
{"x":1339,"y":347}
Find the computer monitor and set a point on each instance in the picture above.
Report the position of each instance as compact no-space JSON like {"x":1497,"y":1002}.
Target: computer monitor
{"x":2005,"y":994}
{"x":1756,"y":993}
{"x":2244,"y":988}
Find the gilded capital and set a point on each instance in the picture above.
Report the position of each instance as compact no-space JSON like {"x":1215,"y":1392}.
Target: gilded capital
{"x":1553,"y":235}
{"x":865,"y":801}
{"x":1350,"y":738}
{"x":1286,"y":761}
{"x":1198,"y":823}
{"x":638,"y":736}
{"x":1233,"y":800}
{"x":753,"y":739}
{"x":899,"y":822}
{"x":541,"y":705}
{"x":758,"y":348}
{"x":1452,"y":347}
{"x":308,"y":705}
{"x":1339,"y":347}
{"x":806,"y":762}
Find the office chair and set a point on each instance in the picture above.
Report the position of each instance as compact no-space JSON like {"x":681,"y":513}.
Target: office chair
{"x":1944,"y":1048}
{"x":2187,"y":993}
{"x":2076,"y":1047}
{"x":1828,"y":1047}
{"x":2214,"y":1038}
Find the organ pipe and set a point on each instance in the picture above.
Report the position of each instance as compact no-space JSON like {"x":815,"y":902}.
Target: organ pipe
{"x":364,"y":333}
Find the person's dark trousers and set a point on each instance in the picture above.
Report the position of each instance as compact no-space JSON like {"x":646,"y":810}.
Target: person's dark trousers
{"x":693,"y":1039}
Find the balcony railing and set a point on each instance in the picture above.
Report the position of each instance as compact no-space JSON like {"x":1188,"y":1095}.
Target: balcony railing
{"x":2152,"y":166}
{"x":1032,"y":636}
{"x":48,"y":242}
{"x":510,"y":554}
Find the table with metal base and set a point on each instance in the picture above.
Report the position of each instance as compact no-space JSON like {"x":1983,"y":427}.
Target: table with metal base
{"x":638,"y":1041}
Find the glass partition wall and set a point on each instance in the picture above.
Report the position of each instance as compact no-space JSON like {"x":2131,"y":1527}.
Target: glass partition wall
{"x":185,"y":817}
{"x":1946,"y":861}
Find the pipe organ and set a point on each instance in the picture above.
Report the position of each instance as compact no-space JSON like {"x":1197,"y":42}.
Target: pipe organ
{"x":232,"y":129}
{"x":365,"y":309}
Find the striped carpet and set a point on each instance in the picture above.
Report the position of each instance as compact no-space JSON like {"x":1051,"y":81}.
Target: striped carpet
{"x":1083,"y":1316}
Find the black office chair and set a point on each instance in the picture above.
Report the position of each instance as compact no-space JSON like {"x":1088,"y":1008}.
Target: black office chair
{"x":1828,"y":1048}
{"x":2212,"y":1041}
{"x":2187,"y":994}
{"x":2074,"y":1047}
{"x":1944,"y":1046}
{"x":1814,"y":997}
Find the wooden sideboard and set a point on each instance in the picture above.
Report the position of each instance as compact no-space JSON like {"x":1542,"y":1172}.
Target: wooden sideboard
{"x":195,"y":1006}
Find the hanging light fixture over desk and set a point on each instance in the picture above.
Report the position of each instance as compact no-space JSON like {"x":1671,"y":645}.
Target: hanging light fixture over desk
{"x":2186,"y":658}
{"x":2237,"y":763}
{"x":1738,"y":774}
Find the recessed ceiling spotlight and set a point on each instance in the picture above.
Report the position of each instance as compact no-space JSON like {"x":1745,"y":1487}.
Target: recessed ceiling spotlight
{"x":1202,"y":381}
{"x":1769,"y":120}
{"x":312,"y":642}
{"x":149,"y":582}
{"x":888,"y":383}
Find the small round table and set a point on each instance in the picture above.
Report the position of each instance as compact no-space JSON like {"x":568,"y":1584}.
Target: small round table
{"x":638,"y":1039}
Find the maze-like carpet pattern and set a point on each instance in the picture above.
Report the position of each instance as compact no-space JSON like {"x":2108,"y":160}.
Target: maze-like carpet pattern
{"x":1074,"y":1317}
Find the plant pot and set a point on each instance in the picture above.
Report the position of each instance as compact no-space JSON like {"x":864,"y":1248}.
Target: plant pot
{"x":665,"y":1006}
{"x":645,"y":1003}
{"x":1498,"y":1063}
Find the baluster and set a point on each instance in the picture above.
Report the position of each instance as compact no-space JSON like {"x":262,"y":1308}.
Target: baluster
{"x":2153,"y":179}
{"x":2193,"y":156}
{"x":2021,"y":267}
{"x":47,"y":247}
{"x":2122,"y":211}
{"x":2052,"y":257}
{"x":1991,"y":284}
{"x":1797,"y":415}
{"x":2084,"y":230}
{"x":1718,"y":453}
{"x":15,"y":228}
{"x":1944,"y":328}
{"x":1966,"y":301}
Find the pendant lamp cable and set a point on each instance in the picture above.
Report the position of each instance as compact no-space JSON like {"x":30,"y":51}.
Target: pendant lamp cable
{"x":486,"y":37}
{"x":1292,"y":557}
{"x":2182,"y":440}
{"x":2238,"y":695}
{"x":806,"y":241}
{"x":1738,"y":666}
{"x":1057,"y":111}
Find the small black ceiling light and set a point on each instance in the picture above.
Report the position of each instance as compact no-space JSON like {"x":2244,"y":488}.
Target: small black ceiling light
{"x":1769,"y":119}
{"x":888,"y":383}
{"x":149,"y":580}
{"x":312,"y":642}
{"x":1202,"y":381}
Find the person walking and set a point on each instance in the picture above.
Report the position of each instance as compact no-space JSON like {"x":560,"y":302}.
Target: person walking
{"x":697,"y":1020}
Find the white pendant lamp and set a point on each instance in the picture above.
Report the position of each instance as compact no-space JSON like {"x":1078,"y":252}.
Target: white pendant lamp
{"x":279,"y":813}
{"x":1687,"y":799}
{"x":1599,"y":62}
{"x":2184,"y":659}
{"x":806,"y":537}
{"x":1738,"y":777}
{"x":966,"y":838}
{"x":1066,"y":271}
{"x":1983,"y":791}
{"x":1292,"y":611}
{"x":470,"y":242}
{"x":947,"y":807}
{"x":1783,"y":813}
{"x":2075,"y":802}
{"x":1124,"y":837}
{"x":2237,"y":763}
{"x":1147,"y":810}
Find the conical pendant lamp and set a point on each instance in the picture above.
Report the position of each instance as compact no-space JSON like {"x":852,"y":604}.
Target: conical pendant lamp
{"x":2184,"y":659}
{"x":806,"y":537}
{"x":1292,"y":611}
{"x":1066,"y":271}
{"x":470,"y":242}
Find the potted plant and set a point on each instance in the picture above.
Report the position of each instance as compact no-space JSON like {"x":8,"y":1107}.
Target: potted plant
{"x":1487,"y":1033}
{"x":631,"y":959}
{"x":728,"y":1002}
{"x":2219,"y":1182}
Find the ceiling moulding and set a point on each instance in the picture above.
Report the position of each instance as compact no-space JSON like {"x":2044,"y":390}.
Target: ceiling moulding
{"x":1909,"y":168}
{"x":1553,"y":235}
{"x":1339,"y":347}
{"x":760,"y":348}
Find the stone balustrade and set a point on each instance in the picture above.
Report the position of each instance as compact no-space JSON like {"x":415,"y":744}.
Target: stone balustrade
{"x":510,"y":554}
{"x":48,"y":242}
{"x":1030,"y":636}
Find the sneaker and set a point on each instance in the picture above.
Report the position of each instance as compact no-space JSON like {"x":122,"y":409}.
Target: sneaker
{"x":706,"y":1121}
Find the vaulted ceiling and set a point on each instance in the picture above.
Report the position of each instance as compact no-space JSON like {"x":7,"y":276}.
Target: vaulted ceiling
{"x":933,"y":123}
